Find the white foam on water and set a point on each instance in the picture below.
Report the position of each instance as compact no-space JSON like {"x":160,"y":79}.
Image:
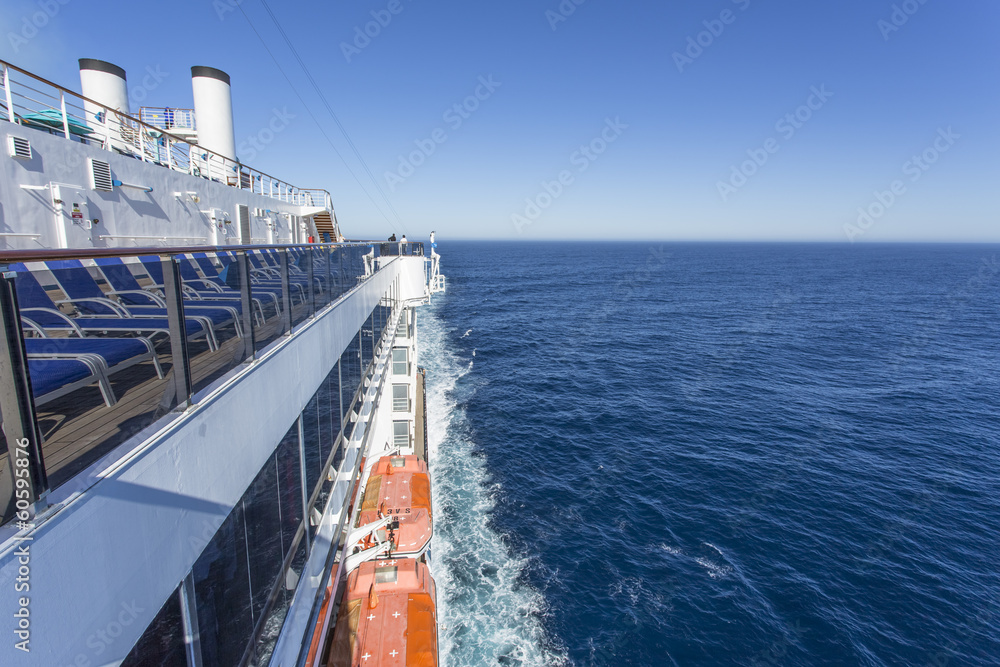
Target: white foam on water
{"x":486,"y":615}
{"x":717,"y":549}
{"x":715,"y":571}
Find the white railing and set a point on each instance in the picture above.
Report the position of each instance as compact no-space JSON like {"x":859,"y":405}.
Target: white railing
{"x":167,"y":118}
{"x":32,"y":101}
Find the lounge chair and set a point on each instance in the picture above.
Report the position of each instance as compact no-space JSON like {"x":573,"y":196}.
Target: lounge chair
{"x":195,"y":285}
{"x":267,"y":262}
{"x":36,"y":304}
{"x":213,"y":275}
{"x":263,"y":276}
{"x":53,"y":378}
{"x":299,"y":261}
{"x":84,"y":292}
{"x":128,"y":290}
{"x":116,"y":353}
{"x":103,"y":356}
{"x":264,"y":273}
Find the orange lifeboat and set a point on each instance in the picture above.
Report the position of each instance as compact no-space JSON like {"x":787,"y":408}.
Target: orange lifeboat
{"x":399,"y":488}
{"x":388,"y":617}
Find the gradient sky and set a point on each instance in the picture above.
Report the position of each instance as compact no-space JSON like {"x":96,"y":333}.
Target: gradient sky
{"x":563,"y":75}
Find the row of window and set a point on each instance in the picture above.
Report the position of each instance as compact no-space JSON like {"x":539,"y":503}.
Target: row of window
{"x":401,"y":392}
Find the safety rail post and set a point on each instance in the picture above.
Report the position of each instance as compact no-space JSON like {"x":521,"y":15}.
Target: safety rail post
{"x":310,"y":276}
{"x":140,"y":137}
{"x":10,"y":100}
{"x":65,"y":117}
{"x":246,"y":304}
{"x":328,"y":261}
{"x":286,"y":294}
{"x":340,"y":271}
{"x":105,"y":121}
{"x":24,"y":441}
{"x":189,"y":622}
{"x":179,"y":353}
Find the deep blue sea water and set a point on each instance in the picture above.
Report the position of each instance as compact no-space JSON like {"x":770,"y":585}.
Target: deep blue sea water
{"x":716,"y":454}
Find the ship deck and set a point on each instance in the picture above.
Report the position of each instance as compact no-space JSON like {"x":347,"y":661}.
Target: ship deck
{"x":78,"y":429}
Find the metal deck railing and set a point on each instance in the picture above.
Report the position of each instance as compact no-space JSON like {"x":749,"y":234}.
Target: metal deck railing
{"x":198,"y":313}
{"x":167,"y":118}
{"x":32,"y":101}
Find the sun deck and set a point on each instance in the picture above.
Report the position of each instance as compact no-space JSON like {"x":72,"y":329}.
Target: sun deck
{"x":79,"y":429}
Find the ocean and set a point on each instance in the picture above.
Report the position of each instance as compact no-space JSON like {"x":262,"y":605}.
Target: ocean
{"x":716,"y":454}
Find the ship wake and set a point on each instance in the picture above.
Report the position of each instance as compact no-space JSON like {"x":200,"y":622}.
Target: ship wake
{"x":487,"y":615}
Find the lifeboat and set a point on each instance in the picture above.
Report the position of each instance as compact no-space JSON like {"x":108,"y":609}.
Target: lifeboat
{"x":388,"y":617}
{"x":398,"y":499}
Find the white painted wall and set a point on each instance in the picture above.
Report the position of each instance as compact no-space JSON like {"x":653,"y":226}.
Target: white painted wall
{"x":125,"y":211}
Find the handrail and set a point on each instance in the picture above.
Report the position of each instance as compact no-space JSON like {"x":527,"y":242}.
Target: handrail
{"x":98,"y":104}
{"x":46,"y":254}
{"x":291,"y":190}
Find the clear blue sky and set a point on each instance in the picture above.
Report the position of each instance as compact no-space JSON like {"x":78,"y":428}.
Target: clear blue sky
{"x":690,"y":120}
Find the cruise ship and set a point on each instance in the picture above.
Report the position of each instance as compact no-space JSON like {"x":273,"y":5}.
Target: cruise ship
{"x":214,"y":420}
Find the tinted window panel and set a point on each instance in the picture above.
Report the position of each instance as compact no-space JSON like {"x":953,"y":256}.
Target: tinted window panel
{"x":329,"y":416}
{"x":289,"y":486}
{"x":222,"y":591}
{"x":162,"y":644}
{"x":263,"y":525}
{"x":311,"y":441}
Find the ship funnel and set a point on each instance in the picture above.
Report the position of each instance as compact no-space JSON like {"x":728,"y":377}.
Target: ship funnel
{"x":213,"y":110}
{"x":104,"y":83}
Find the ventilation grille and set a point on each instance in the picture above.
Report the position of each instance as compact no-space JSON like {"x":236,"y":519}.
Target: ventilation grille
{"x":20,"y":148}
{"x":100,"y":175}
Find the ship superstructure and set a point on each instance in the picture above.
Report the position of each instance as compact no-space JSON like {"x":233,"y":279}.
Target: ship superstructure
{"x":198,"y":376}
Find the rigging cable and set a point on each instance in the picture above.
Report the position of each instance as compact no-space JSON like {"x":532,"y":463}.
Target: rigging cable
{"x":316,"y":121}
{"x":329,"y":109}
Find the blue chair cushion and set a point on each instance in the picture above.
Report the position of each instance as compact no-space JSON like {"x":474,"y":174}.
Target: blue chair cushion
{"x":48,"y":375}
{"x":113,"y":350}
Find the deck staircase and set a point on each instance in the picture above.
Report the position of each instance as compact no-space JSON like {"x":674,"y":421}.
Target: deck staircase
{"x":324,"y":226}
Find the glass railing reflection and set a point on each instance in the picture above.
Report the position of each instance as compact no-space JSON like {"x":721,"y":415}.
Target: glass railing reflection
{"x":114,"y":341}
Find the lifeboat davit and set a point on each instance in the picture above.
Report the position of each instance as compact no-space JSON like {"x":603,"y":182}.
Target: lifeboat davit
{"x":399,"y":488}
{"x":388,"y":617}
